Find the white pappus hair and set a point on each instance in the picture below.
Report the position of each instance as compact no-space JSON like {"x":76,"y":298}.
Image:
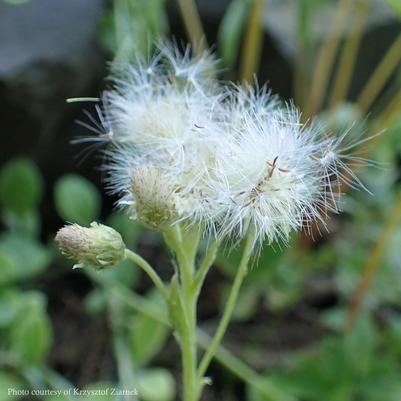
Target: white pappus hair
{"x":229,"y":158}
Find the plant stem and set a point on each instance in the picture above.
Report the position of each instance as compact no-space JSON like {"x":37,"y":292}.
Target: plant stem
{"x":229,"y":308}
{"x":326,"y":58}
{"x":174,"y":240}
{"x":142,"y":263}
{"x":184,"y":244}
{"x":205,"y":266}
{"x":380,"y":76}
{"x":126,"y":370}
{"x":372,"y":265}
{"x":302,"y":51}
{"x":188,"y":337}
{"x":188,"y":347}
{"x":253,"y":42}
{"x":190,"y":244}
{"x":193,"y":25}
{"x":222,"y":355}
{"x":390,"y":112}
{"x":348,"y":56}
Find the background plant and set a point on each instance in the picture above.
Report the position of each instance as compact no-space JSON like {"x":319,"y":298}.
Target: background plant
{"x":313,"y":284}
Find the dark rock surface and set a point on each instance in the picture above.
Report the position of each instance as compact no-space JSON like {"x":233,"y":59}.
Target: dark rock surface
{"x":47,"y":54}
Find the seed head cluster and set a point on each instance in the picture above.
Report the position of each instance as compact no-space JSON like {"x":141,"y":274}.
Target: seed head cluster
{"x":188,"y":148}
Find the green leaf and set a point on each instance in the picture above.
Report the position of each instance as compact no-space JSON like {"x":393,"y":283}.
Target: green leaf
{"x":147,"y":336}
{"x":175,"y":307}
{"x":30,"y":336}
{"x":132,"y":27}
{"x":156,"y":385}
{"x":395,"y":5}
{"x":339,"y":369}
{"x":10,"y":304}
{"x":20,"y":186}
{"x":8,"y":268}
{"x":26,"y":225}
{"x":393,"y":335}
{"x":106,"y":33}
{"x":360,"y":344}
{"x":324,"y":374}
{"x":77,"y":199}
{"x":383,"y":382}
{"x":306,"y":12}
{"x":230,"y":31}
{"x":21,"y":258}
{"x":9,"y":387}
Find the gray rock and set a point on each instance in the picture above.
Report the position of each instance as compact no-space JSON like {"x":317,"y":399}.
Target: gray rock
{"x":47,"y":53}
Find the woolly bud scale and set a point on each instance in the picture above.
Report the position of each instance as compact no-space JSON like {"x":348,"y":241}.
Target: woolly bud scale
{"x":97,"y":246}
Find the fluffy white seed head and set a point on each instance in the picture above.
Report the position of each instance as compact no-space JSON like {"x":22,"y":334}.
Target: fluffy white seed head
{"x":268,"y":178}
{"x":187,"y":148}
{"x":153,"y":197}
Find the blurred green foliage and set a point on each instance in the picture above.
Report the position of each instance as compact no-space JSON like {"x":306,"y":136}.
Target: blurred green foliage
{"x":345,"y":368}
{"x":230,"y":31}
{"x":395,"y":5}
{"x":25,"y":328}
{"x":131,"y":28}
{"x":77,"y":199}
{"x":362,"y":364}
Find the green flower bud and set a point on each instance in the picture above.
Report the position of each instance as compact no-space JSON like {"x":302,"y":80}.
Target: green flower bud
{"x":98,"y":246}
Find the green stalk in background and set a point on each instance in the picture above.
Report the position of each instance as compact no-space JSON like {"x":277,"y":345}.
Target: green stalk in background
{"x":349,"y":54}
{"x":229,"y":307}
{"x":304,"y":39}
{"x":253,"y":42}
{"x":382,"y":73}
{"x":193,"y":25}
{"x":326,"y":58}
{"x":373,"y":264}
{"x":230,"y":31}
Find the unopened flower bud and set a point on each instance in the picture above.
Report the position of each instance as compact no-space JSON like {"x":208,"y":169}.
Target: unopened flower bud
{"x":154,"y":200}
{"x":98,"y":246}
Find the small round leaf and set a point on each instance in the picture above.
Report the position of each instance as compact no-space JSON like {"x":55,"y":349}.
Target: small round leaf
{"x":77,"y":199}
{"x":20,"y":185}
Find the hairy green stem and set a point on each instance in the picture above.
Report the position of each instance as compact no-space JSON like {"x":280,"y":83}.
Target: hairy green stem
{"x":174,"y":240}
{"x":184,"y":243}
{"x":188,"y":348}
{"x":144,"y":265}
{"x":222,"y":355}
{"x":205,"y":266}
{"x":229,"y":308}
